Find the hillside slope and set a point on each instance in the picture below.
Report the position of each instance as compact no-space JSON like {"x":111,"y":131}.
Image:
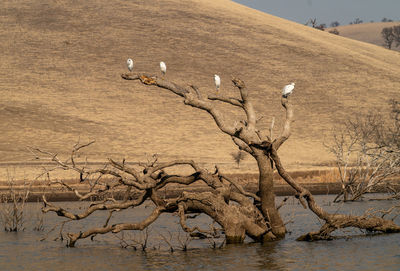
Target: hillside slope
{"x":61,"y":64}
{"x":366,"y":32}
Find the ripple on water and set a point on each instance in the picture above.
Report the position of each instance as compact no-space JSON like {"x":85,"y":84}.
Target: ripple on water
{"x":24,"y":251}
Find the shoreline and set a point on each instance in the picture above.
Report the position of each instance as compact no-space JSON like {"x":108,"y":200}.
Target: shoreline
{"x":280,"y":190}
{"x":318,"y":181}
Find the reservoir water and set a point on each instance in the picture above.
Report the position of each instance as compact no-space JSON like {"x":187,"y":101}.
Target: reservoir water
{"x":25,"y":251}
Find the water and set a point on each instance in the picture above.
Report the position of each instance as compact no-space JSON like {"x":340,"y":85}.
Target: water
{"x":24,"y":251}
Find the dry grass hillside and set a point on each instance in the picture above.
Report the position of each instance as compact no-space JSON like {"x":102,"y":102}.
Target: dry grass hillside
{"x":366,"y":32}
{"x":61,"y":64}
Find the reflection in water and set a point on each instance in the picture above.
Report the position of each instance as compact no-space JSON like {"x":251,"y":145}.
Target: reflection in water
{"x":268,"y":257}
{"x":24,"y":251}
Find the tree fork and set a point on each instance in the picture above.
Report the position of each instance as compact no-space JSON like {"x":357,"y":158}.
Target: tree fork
{"x":245,"y":134}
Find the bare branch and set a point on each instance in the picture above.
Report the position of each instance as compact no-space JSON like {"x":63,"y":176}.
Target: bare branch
{"x":247,"y":105}
{"x":181,"y":211}
{"x":116,"y":228}
{"x":229,"y":100}
{"x":286,"y":128}
{"x":197,"y":91}
{"x":49,"y":207}
{"x":238,"y":186}
{"x":271,"y":128}
{"x":242,"y":145}
{"x":126,"y":169}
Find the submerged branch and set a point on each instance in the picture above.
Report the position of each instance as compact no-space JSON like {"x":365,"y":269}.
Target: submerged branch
{"x":332,"y":221}
{"x":116,"y":228}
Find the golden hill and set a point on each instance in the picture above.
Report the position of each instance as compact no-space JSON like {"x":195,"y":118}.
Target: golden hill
{"x":61,"y":64}
{"x":366,"y":32}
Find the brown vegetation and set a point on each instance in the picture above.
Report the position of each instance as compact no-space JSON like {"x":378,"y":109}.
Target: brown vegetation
{"x":58,"y":81}
{"x":365,"y":32}
{"x":367,"y":155}
{"x":12,"y":205}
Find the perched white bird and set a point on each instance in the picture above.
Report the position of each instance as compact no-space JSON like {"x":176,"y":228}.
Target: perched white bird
{"x":217,"y":81}
{"x":287,"y":90}
{"x":129,"y":63}
{"x":163,"y":68}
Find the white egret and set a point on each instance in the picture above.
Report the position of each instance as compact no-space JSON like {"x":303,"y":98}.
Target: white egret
{"x":129,"y":63}
{"x":163,"y":68}
{"x":287,"y":90}
{"x":217,"y":81}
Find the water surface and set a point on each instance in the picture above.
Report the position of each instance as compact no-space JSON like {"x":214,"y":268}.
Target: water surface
{"x":24,"y":251}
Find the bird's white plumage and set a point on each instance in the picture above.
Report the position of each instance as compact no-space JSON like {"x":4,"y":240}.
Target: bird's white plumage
{"x":217,"y":81}
{"x":287,"y":90}
{"x":163,"y":67}
{"x":129,"y":63}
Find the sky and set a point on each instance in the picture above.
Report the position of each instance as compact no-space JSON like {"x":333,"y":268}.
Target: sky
{"x":327,"y":11}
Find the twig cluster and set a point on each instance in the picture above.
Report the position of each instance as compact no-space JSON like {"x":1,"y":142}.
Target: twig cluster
{"x":12,"y":206}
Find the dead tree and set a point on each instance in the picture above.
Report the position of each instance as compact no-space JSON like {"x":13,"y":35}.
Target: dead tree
{"x":238,"y":156}
{"x":367,"y":156}
{"x":12,"y":205}
{"x":335,"y":24}
{"x":136,"y":186}
{"x":244,"y":134}
{"x":388,"y":37}
{"x":313,"y":23}
{"x":357,"y":21}
{"x":396,"y":34}
{"x":238,"y":212}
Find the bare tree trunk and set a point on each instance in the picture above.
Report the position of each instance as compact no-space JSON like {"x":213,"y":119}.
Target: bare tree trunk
{"x":267,"y":195}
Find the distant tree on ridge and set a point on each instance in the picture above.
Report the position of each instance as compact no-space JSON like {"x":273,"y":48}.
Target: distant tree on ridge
{"x":388,"y":37}
{"x":313,"y":23}
{"x":384,"y":20}
{"x":357,"y":21}
{"x":335,"y":24}
{"x":396,"y":34}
